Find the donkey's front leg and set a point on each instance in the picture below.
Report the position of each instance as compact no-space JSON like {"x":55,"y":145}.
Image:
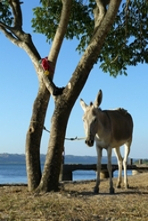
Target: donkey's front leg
{"x":99,"y":153}
{"x":109,"y":167}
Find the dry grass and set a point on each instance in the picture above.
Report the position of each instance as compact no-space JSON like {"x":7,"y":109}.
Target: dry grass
{"x":76,"y":202}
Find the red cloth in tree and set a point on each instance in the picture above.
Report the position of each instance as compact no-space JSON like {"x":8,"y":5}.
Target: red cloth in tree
{"x":46,"y":64}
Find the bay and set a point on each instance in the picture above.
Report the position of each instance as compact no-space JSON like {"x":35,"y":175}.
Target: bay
{"x":16,"y":174}
{"x":13,"y":173}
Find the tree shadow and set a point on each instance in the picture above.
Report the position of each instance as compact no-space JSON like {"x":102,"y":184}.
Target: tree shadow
{"x":129,"y":191}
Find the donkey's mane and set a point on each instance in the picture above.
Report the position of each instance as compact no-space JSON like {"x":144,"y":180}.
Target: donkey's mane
{"x":122,"y":110}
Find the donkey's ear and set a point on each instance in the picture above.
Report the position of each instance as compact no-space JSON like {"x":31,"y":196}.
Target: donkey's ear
{"x":98,"y":99}
{"x":83,"y":105}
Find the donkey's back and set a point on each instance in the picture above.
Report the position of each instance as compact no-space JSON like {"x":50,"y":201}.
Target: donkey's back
{"x":120,"y":123}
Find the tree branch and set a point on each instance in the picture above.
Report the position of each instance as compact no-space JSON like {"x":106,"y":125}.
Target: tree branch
{"x":106,"y":22}
{"x":23,"y":40}
{"x":91,"y":53}
{"x":14,"y":33}
{"x":61,"y":30}
{"x":100,"y":11}
{"x":10,"y":36}
{"x":15,"y":5}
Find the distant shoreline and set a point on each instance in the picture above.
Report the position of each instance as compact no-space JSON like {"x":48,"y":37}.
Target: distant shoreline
{"x":6,"y":158}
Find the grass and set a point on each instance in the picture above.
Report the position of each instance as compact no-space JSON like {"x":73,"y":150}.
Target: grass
{"x":76,"y":202}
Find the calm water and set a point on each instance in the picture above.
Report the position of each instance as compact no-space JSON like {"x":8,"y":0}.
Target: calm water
{"x":17,"y":174}
{"x":13,"y":173}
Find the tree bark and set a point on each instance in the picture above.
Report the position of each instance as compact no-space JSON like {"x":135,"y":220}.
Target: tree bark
{"x":33,"y":138}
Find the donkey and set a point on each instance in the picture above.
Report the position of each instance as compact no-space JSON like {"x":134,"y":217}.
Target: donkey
{"x":110,"y":129}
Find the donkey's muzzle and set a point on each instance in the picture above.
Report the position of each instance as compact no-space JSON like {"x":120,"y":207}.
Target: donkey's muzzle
{"x":90,"y":143}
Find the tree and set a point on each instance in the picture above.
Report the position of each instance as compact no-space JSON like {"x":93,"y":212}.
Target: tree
{"x":71,"y":18}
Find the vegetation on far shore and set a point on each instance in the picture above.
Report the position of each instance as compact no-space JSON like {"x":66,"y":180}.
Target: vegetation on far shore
{"x":6,"y":158}
{"x":144,"y":161}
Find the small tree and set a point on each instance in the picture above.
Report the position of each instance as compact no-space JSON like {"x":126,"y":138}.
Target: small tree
{"x":58,"y":19}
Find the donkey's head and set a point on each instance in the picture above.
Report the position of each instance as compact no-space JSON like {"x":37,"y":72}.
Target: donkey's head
{"x":90,"y":119}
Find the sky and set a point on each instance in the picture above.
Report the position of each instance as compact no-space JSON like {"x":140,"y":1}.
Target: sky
{"x":19,"y":86}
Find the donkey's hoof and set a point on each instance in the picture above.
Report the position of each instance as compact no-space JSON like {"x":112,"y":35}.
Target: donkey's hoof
{"x":118,"y":186}
{"x":111,"y":190}
{"x":126,"y":186}
{"x":96,"y":190}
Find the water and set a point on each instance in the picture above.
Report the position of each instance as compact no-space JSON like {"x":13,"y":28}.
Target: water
{"x":16,"y":173}
{"x":13,"y":173}
{"x":91,"y":174}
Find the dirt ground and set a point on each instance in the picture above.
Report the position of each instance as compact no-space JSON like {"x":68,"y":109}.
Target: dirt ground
{"x":77,"y":202}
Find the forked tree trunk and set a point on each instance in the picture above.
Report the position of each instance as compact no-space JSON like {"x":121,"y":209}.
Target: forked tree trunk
{"x":33,"y":138}
{"x":34,"y":133}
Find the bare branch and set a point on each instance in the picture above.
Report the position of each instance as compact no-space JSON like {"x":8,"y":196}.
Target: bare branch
{"x":100,"y":11}
{"x":15,"y":5}
{"x":10,"y":36}
{"x":91,"y":53}
{"x":15,"y":33}
{"x":18,"y":37}
{"x":2,"y":25}
{"x":61,"y":30}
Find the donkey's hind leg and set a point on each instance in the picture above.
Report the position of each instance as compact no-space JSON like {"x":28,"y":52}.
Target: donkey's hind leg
{"x":109,"y":167}
{"x":120,"y":160}
{"x":127,"y":151}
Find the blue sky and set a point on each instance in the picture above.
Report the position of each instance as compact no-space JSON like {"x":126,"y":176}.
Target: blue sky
{"x":19,"y":86}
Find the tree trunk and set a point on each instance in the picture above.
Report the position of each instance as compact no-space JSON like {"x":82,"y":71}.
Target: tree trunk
{"x":52,"y":167}
{"x":41,"y":103}
{"x":33,"y":138}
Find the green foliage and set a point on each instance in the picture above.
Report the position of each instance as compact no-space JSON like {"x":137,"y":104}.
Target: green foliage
{"x":127,"y":43}
{"x":5,"y":13}
{"x":80,"y":24}
{"x":144,"y":161}
{"x":47,"y":18}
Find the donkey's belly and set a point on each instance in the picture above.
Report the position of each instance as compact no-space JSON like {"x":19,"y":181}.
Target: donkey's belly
{"x":105,"y":143}
{"x":101,"y":143}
